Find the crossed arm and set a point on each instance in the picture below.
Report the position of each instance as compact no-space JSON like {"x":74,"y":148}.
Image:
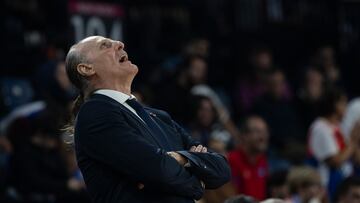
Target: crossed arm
{"x":210,"y":167}
{"x":106,"y":137}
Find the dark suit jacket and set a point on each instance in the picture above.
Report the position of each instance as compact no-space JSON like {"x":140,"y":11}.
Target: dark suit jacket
{"x":116,"y":151}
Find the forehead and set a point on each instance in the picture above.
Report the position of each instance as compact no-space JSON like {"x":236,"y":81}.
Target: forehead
{"x":91,"y":41}
{"x":88,"y":44}
{"x":256,"y":122}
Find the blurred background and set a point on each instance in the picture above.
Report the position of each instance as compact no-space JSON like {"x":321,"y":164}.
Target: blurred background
{"x":274,"y":85}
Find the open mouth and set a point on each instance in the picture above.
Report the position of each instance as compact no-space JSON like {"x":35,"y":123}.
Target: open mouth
{"x":123,"y":58}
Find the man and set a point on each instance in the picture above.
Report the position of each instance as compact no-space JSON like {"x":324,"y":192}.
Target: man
{"x":349,"y":191}
{"x":249,"y":163}
{"x":128,"y":153}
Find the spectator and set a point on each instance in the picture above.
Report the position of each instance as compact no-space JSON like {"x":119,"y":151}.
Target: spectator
{"x":305,"y":185}
{"x":348,"y":191}
{"x":309,"y":95}
{"x":279,"y":112}
{"x":351,"y":117}
{"x":193,"y":72}
{"x":248,"y":162}
{"x":169,"y":67}
{"x":192,"y":79}
{"x":252,"y":86}
{"x":326,"y":61}
{"x":39,"y":170}
{"x":326,"y":142}
{"x":277,"y":186}
{"x":53,"y":85}
{"x":349,"y":123}
{"x":206,"y":125}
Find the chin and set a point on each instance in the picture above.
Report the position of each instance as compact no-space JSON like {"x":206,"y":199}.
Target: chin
{"x":135,"y":69}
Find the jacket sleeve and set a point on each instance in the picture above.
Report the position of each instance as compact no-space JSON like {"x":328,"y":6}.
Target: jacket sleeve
{"x":104,"y":135}
{"x":212,"y":168}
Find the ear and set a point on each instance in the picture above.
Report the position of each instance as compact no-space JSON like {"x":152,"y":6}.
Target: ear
{"x":85,"y":69}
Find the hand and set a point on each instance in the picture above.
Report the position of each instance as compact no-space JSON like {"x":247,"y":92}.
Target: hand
{"x":202,"y":184}
{"x":75,"y":185}
{"x":224,"y":115}
{"x":198,"y":148}
{"x":179,"y":158}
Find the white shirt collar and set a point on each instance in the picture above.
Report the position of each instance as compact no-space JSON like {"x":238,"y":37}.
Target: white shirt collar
{"x":116,"y":95}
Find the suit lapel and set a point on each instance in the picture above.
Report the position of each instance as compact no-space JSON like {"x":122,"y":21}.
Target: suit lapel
{"x":157,"y":121}
{"x":149,"y":132}
{"x":149,"y":135}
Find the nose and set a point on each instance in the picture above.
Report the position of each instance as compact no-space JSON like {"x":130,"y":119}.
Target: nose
{"x":119,"y":45}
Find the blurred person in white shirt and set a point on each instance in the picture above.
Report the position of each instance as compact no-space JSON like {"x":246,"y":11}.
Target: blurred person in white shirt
{"x":332,"y":154}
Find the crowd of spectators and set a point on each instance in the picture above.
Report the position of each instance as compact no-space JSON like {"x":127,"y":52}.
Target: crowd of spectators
{"x":288,"y":137}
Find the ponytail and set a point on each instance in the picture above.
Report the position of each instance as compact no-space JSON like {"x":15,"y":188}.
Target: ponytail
{"x":77,"y":104}
{"x":73,"y":58}
{"x":69,"y":128}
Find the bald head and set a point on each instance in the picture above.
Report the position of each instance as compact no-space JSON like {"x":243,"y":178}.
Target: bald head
{"x":102,"y":62}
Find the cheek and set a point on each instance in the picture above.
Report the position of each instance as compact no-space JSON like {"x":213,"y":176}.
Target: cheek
{"x":341,"y":108}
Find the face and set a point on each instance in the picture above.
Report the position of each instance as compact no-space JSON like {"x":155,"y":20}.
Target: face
{"x":277,"y":84}
{"x":314,"y":83}
{"x":206,"y":113}
{"x":257,"y":137}
{"x":327,"y":55}
{"x":341,"y":107}
{"x":281,"y":191}
{"x":310,"y":192}
{"x":198,"y":71}
{"x":353,"y":196}
{"x":263,"y":60}
{"x":108,"y":59}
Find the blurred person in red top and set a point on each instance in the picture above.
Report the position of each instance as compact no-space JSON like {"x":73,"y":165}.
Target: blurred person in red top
{"x":248,"y":162}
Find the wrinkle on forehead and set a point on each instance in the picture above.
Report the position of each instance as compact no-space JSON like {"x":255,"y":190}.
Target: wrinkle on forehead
{"x":88,"y":45}
{"x":85,"y":45}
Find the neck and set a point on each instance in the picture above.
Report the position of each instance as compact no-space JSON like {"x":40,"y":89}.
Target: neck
{"x":124,"y":87}
{"x":251,"y":154}
{"x":333,"y":119}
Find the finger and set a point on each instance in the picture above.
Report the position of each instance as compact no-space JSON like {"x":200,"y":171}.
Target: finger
{"x":204,"y":149}
{"x":202,"y":184}
{"x":198,"y":148}
{"x":192,"y":149}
